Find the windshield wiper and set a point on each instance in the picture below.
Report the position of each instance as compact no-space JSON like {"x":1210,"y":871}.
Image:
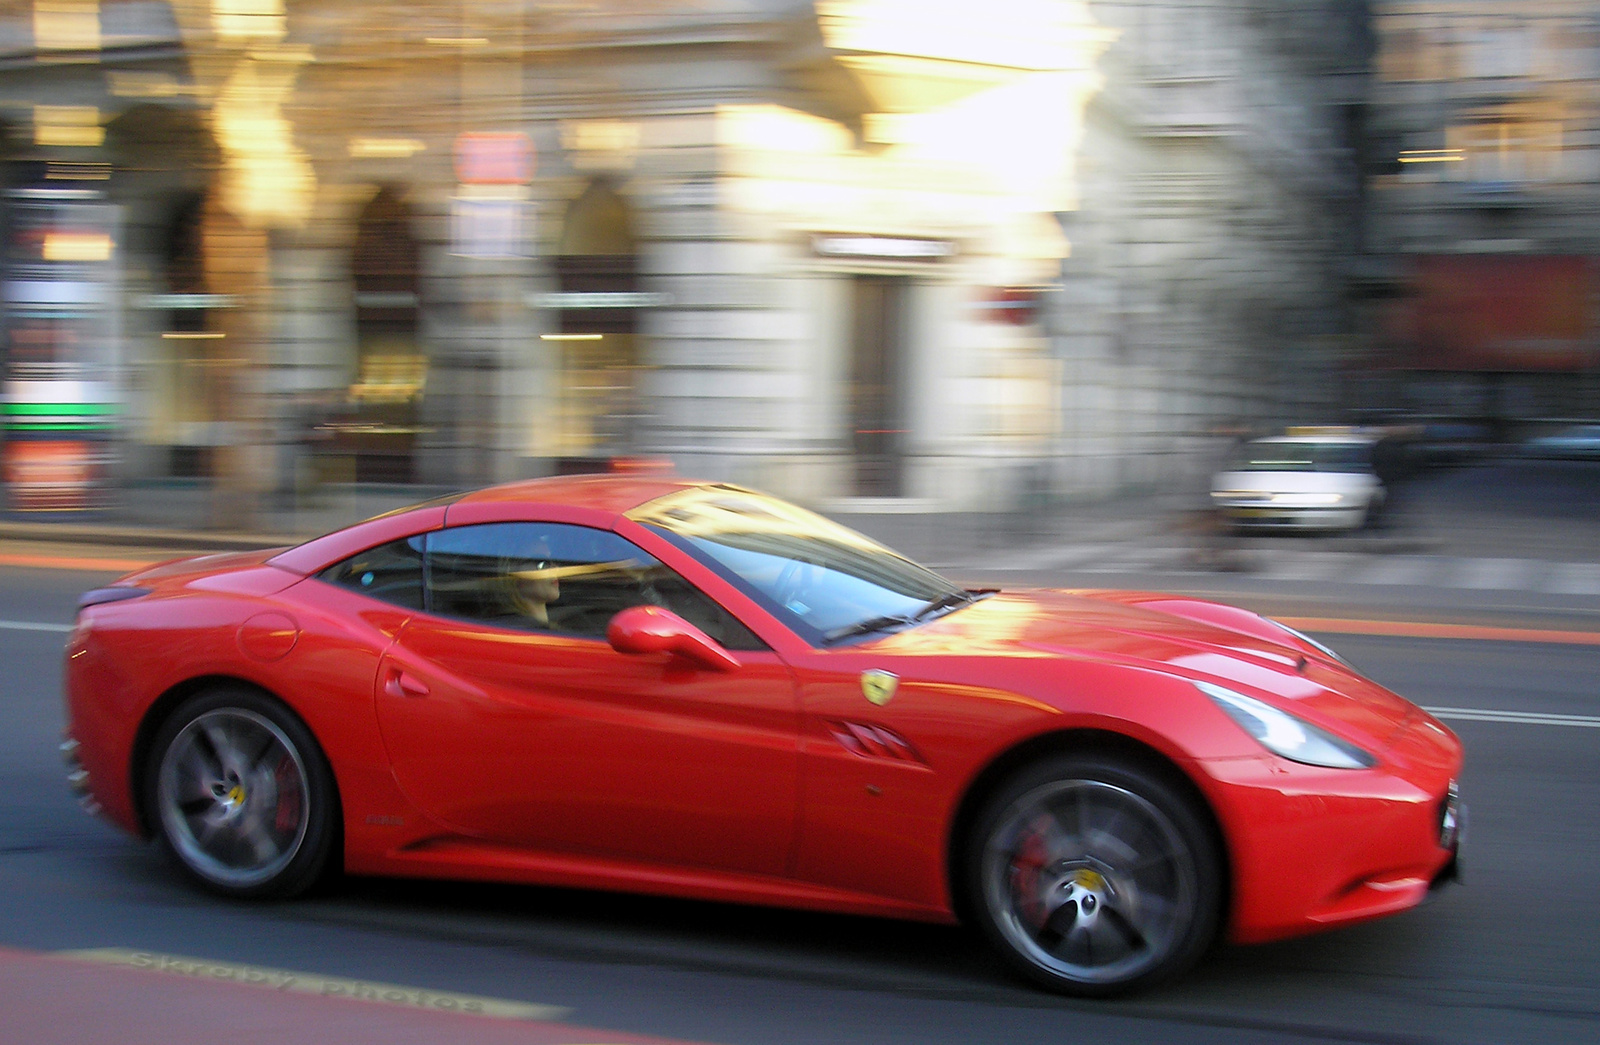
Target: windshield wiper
{"x":871,"y":624}
{"x":944,"y":602}
{"x":884,"y":623}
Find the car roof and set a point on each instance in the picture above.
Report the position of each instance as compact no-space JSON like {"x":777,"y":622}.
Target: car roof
{"x":605,"y":493}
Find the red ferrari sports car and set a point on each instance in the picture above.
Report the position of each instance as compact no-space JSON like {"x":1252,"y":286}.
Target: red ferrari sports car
{"x":694,"y":689}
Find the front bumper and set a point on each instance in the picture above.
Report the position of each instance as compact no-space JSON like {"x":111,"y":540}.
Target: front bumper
{"x":1257,"y":516}
{"x":1317,"y":848}
{"x":1452,"y":835}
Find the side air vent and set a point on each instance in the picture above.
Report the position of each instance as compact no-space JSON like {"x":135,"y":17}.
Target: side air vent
{"x":858,"y":738}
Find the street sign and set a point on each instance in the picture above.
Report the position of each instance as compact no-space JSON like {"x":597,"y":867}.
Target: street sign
{"x":885,"y":248}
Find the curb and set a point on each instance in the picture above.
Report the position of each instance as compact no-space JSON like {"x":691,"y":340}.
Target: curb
{"x":141,"y":537}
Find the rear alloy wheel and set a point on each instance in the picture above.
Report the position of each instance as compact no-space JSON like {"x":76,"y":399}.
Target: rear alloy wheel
{"x":1094,"y":877}
{"x":242,"y":795}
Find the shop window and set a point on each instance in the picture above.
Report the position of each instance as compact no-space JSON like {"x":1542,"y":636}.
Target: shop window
{"x":381,"y":418}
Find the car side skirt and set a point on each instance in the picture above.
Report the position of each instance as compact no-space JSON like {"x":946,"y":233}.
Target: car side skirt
{"x":474,"y":860}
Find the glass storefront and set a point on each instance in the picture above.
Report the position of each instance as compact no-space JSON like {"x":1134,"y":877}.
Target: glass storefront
{"x":60,"y":400}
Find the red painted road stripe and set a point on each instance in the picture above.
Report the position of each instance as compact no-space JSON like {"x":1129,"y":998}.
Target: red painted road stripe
{"x":58,"y":1001}
{"x":68,"y":562}
{"x":1425,"y":630}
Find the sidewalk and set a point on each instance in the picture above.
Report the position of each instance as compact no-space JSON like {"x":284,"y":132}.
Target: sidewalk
{"x":173,"y":516}
{"x":1505,"y":525}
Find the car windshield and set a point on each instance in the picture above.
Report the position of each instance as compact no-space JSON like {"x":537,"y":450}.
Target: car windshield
{"x":827,"y":582}
{"x":1300,"y":456}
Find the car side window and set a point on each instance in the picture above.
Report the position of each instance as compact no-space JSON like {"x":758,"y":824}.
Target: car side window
{"x":564,"y":579}
{"x":391,"y":572}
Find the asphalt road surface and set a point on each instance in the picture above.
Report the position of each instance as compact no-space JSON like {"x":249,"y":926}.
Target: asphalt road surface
{"x":1507,"y":957}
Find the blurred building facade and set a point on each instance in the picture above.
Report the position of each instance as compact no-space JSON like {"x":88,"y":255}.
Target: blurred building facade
{"x":1484,"y":248}
{"x":1208,"y":288}
{"x":817,"y":247}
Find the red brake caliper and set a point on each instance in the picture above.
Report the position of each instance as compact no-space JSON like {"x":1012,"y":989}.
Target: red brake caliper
{"x":1026,"y":866}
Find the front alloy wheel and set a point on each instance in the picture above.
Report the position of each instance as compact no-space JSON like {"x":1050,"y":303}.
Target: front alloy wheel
{"x":1095,"y":878}
{"x":242,"y":796}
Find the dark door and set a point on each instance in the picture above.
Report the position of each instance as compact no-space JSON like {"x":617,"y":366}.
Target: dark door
{"x":877,"y":410}
{"x":380,"y":432}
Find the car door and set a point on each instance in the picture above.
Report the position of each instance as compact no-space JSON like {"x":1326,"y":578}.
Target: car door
{"x":510,"y":719}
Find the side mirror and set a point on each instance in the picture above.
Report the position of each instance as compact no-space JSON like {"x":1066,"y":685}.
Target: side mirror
{"x":651,"y":629}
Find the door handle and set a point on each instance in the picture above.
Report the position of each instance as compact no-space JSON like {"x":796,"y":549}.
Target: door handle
{"x":404,"y":684}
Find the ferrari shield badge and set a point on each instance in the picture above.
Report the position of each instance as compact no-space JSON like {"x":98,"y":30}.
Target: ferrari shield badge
{"x":879,"y":686}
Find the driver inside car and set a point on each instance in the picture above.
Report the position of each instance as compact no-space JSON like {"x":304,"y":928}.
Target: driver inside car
{"x":535,"y":584}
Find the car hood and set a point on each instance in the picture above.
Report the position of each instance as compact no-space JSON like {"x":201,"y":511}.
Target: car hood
{"x":1093,"y":626}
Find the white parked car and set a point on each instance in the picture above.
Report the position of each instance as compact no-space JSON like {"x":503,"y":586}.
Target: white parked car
{"x":1301,"y":482}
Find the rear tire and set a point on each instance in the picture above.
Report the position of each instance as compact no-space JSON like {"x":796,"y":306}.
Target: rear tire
{"x":241,"y":796}
{"x":1093,"y":877}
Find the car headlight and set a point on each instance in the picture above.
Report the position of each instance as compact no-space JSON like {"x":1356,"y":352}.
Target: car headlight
{"x":1283,"y":734}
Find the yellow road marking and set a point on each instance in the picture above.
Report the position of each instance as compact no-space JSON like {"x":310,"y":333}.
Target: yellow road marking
{"x":313,"y":983}
{"x":72,"y":562}
{"x":1425,"y":630}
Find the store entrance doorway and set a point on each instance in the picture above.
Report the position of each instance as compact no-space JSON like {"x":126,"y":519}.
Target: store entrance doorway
{"x":877,"y":384}
{"x":384,"y":403}
{"x":596,"y":339}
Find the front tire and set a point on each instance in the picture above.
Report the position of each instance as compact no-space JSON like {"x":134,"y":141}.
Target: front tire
{"x":241,"y":795}
{"x":1094,"y":877}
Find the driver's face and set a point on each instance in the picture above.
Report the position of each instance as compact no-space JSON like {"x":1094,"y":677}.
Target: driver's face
{"x":536,"y":580}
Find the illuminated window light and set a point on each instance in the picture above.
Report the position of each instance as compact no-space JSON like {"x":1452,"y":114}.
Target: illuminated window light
{"x":570,"y":337}
{"x":385,"y":148}
{"x":599,"y":135}
{"x":69,"y":137}
{"x":184,"y":335}
{"x":1431,"y":156}
{"x":67,"y":125}
{"x":77,"y":246}
{"x":298,"y":55}
{"x":236,"y":20}
{"x":143,"y":84}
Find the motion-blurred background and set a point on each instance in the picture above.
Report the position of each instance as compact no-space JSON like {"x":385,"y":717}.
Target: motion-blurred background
{"x":909,"y":255}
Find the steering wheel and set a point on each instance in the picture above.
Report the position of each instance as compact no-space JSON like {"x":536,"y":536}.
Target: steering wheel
{"x":796,"y":577}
